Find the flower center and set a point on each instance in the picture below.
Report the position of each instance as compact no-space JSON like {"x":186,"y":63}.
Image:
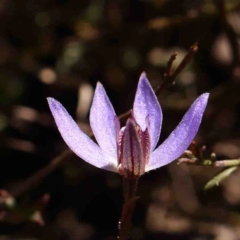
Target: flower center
{"x":133,"y":149}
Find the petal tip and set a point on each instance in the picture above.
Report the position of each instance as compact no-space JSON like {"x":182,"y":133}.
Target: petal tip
{"x":143,"y":80}
{"x":205,"y":95}
{"x":99,"y":88}
{"x":143,"y":75}
{"x":52,"y":102}
{"x":50,"y":99}
{"x":203,"y":99}
{"x":55,"y":106}
{"x":99,"y":84}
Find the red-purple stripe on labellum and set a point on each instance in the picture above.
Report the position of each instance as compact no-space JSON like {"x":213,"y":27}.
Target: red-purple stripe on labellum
{"x":131,"y":150}
{"x":131,"y":158}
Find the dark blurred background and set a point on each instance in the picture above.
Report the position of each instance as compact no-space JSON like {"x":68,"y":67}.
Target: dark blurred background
{"x":61,"y":48}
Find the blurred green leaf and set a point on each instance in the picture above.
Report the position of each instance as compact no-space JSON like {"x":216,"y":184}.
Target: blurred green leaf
{"x":215,"y":181}
{"x":94,"y":12}
{"x":209,"y":7}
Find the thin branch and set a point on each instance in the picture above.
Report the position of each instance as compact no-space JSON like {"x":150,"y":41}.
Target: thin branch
{"x":209,"y":162}
{"x":186,"y":60}
{"x":170,"y":76}
{"x":168,"y":71}
{"x":167,"y":74}
{"x":231,"y":34}
{"x":39,"y":175}
{"x":195,"y":156}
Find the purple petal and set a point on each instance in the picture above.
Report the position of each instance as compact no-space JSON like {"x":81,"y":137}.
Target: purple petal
{"x":104,"y":122}
{"x":77,"y":140}
{"x":131,"y":157}
{"x":179,"y":140}
{"x":147,"y":105}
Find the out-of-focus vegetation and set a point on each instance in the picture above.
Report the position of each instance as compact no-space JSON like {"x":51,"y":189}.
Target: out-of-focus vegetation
{"x":61,"y":49}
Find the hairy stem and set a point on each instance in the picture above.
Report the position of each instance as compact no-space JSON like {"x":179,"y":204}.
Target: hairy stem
{"x":129,"y":193}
